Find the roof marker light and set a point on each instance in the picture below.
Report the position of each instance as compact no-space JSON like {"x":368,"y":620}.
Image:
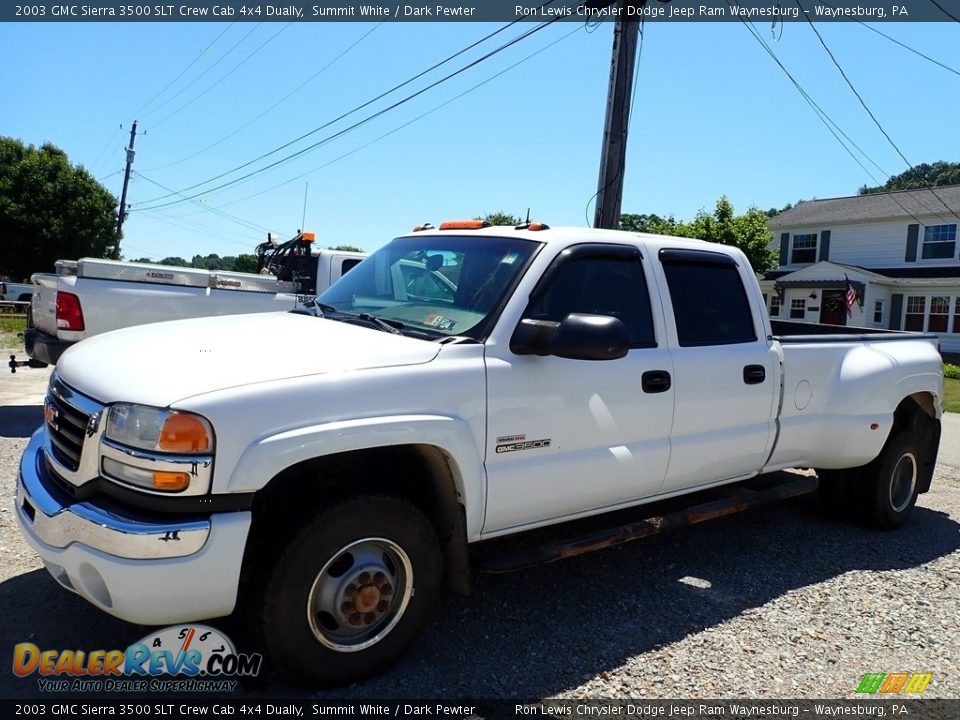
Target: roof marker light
{"x":464,"y":224}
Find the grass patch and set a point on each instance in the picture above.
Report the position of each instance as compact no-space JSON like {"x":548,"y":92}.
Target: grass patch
{"x":951,"y":395}
{"x":9,"y":327}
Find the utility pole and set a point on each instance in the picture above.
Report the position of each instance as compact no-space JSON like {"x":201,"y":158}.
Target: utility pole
{"x":614,"y":150}
{"x":131,"y":153}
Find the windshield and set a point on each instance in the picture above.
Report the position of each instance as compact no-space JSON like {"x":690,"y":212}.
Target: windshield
{"x":447,"y":285}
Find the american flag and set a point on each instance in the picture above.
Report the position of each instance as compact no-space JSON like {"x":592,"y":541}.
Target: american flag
{"x":851,"y":296}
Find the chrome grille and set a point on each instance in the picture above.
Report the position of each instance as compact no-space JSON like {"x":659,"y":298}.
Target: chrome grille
{"x":66,"y":427}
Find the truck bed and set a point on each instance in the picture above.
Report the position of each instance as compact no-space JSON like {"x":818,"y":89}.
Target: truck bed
{"x":787,"y":332}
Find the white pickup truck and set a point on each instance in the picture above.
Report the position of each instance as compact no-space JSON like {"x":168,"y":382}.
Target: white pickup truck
{"x":92,"y":296}
{"x":18,"y":292}
{"x":551,"y":375}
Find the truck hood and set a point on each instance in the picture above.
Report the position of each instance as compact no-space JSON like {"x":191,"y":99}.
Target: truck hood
{"x":161,"y":363}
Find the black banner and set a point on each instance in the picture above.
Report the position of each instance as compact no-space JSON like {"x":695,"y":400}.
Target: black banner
{"x":235,"y":707}
{"x":482,"y":11}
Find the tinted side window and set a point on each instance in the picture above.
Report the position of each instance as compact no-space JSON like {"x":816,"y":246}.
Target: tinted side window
{"x":600,"y":286}
{"x":710,"y":304}
{"x":349,"y":264}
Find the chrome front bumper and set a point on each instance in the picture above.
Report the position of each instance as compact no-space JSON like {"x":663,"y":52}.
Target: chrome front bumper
{"x":43,"y":508}
{"x":141,"y":569}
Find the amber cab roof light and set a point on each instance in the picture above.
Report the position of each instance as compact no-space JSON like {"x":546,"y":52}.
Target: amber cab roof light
{"x":308,"y":236}
{"x":464,"y":224}
{"x":532,"y":226}
{"x":425,"y":226}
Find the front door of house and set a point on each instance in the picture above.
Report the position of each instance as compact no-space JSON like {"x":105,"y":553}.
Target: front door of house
{"x":833,"y":308}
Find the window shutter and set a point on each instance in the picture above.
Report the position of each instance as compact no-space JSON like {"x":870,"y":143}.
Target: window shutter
{"x":896,"y":310}
{"x":913,"y":233}
{"x":784,"y":249}
{"x":825,"y":245}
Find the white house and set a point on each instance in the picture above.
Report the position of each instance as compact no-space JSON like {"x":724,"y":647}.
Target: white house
{"x":898,"y":250}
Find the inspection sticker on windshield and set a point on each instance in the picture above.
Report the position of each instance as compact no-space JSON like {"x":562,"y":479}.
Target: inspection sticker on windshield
{"x":440,"y":322}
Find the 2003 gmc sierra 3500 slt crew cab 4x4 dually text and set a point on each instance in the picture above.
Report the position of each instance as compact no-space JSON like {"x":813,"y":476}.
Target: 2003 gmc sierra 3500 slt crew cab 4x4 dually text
{"x":530,"y":377}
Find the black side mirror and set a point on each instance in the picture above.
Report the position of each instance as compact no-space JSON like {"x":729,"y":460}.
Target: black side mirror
{"x":578,"y":336}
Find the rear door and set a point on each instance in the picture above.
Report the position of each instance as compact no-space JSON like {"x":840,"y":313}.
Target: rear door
{"x":726,"y":370}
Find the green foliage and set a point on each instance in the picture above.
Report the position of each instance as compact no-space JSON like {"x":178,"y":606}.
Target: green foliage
{"x":346,"y":248}
{"x":501,"y":218}
{"x":245,"y":262}
{"x":178,"y":261}
{"x":951,"y":395}
{"x":50,"y":210}
{"x":919,"y":176}
{"x":747,"y":231}
{"x":951,"y":371}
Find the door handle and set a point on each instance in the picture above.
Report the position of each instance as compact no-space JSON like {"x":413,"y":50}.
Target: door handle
{"x":655,"y":381}
{"x":754,"y":374}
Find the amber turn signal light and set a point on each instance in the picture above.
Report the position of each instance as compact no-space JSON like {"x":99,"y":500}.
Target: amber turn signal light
{"x":171,"y":481}
{"x":185,"y":433}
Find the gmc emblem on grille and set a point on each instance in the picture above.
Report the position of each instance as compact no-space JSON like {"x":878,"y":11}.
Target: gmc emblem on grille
{"x":93,"y":422}
{"x":50,"y":414}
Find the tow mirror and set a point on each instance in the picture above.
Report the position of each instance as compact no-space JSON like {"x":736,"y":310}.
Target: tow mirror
{"x":578,"y":336}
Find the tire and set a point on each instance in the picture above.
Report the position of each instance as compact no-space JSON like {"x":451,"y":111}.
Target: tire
{"x":891,"y":482}
{"x":351,"y":591}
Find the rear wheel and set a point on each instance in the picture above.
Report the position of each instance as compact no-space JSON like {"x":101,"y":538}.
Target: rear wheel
{"x":352,"y":590}
{"x":891,"y":482}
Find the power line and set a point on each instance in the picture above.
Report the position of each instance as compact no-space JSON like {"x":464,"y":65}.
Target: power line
{"x":199,"y":77}
{"x":239,"y":220}
{"x":944,"y":11}
{"x":347,"y":113}
{"x":827,"y":121}
{"x":406,"y":124}
{"x":231,"y":72}
{"x":867,"y":108}
{"x":913,"y":50}
{"x":271,"y":107}
{"x":160,"y":217}
{"x":182,"y":72}
{"x":364,"y":121}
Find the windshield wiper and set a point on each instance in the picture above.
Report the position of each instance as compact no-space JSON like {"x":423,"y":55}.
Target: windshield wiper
{"x":391,"y":326}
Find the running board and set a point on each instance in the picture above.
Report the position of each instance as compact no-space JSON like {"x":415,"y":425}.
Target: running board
{"x":737,"y":500}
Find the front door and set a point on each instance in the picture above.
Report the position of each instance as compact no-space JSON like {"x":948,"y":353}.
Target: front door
{"x":833,"y":308}
{"x":566,"y":436}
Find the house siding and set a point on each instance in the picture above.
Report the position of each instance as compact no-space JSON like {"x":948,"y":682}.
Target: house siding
{"x":868,"y":245}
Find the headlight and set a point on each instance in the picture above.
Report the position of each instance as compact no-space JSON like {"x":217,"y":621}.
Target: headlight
{"x":152,"y":429}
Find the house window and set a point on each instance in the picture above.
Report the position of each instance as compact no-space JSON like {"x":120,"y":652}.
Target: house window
{"x":916,"y":307}
{"x":804,"y":248}
{"x":798,"y":308}
{"x":939,"y":241}
{"x":878,"y":311}
{"x":775,"y":306}
{"x":939,"y":314}
{"x":956,"y":316}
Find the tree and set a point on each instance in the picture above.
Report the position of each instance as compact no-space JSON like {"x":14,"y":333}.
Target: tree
{"x":346,"y":248}
{"x":748,"y":232}
{"x":501,"y":218}
{"x":245,"y":263}
{"x":50,"y":210}
{"x":919,"y":176}
{"x":650,"y":224}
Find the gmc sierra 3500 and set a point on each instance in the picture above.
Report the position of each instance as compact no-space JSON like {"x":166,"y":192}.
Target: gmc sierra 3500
{"x":524,"y":377}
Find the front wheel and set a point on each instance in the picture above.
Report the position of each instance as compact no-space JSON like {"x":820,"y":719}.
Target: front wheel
{"x":352,"y":590}
{"x":891,"y":482}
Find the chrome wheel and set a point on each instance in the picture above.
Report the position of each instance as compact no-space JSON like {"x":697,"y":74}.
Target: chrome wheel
{"x":360,"y":594}
{"x":903,"y":482}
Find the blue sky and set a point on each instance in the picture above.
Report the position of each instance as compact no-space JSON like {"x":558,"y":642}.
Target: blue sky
{"x":712,"y":115}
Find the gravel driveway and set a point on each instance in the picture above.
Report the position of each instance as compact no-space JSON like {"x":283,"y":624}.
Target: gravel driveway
{"x":778,"y":602}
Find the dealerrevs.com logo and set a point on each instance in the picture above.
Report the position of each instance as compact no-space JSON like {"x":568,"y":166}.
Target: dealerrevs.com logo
{"x":192,"y":658}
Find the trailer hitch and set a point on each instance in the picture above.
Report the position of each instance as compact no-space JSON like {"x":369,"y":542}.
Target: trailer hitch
{"x":13,"y":364}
